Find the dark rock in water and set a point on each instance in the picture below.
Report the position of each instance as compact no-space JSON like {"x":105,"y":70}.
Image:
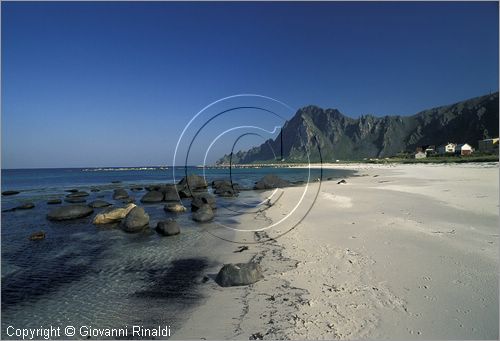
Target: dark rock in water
{"x":136,"y":189}
{"x":94,"y":189}
{"x":174,"y":207}
{"x":115,"y":181}
{"x":99,"y":204}
{"x":203,"y":199}
{"x":192,"y":182}
{"x":341,"y":182}
{"x":168,"y":227}
{"x":203,"y":214}
{"x":217,"y":183}
{"x":239,"y":274}
{"x":119,"y":194}
{"x":54,"y":201}
{"x":37,"y":235}
{"x":271,"y":181}
{"x":69,"y":212}
{"x":77,"y":194}
{"x":170,"y":193}
{"x":185,"y":193}
{"x":10,"y":192}
{"x":112,"y":215}
{"x":74,"y":190}
{"x":135,"y":221}
{"x":76,"y":200}
{"x":225,"y":189}
{"x":128,"y":200}
{"x":152,"y":196}
{"x":25,"y":206}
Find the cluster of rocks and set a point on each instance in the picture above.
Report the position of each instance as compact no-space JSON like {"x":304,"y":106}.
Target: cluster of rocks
{"x":224,"y":188}
{"x":132,"y":218}
{"x":190,"y":185}
{"x":161,"y":193}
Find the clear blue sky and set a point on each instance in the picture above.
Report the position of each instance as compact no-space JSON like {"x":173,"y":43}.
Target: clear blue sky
{"x":113,"y":84}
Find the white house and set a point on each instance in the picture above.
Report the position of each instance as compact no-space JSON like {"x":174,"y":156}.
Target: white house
{"x":448,"y":148}
{"x":464,"y":149}
{"x":420,"y":155}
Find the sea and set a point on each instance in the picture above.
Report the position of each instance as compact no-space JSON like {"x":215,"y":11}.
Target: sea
{"x":101,"y":277}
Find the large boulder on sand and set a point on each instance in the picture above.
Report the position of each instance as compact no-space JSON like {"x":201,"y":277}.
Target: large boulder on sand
{"x":174,"y":207}
{"x":135,"y":221}
{"x":69,"y":212}
{"x":152,"y":196}
{"x":203,"y":214}
{"x":239,"y":274}
{"x":203,"y":199}
{"x":168,"y":228}
{"x":271,"y":181}
{"x":113,"y":215}
{"x":119,"y":194}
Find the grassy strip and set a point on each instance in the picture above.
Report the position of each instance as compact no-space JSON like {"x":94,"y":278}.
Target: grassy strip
{"x":439,"y":159}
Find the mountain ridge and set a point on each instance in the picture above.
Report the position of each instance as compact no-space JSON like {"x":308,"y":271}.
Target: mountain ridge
{"x":338,"y":136}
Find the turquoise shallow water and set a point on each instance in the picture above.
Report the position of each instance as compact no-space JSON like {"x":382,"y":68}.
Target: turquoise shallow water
{"x":84,"y":275}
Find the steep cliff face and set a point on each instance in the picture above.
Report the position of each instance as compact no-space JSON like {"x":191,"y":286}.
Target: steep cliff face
{"x":345,"y":138}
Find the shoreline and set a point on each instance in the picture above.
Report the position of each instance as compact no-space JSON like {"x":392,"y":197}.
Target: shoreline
{"x":398,"y":251}
{"x":401,"y":258}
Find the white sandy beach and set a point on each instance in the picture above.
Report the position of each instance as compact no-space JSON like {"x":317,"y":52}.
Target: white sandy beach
{"x":400,"y":251}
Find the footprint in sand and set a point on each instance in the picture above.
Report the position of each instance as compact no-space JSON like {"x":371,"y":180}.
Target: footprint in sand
{"x":430,"y":298}
{"x":414,"y":332}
